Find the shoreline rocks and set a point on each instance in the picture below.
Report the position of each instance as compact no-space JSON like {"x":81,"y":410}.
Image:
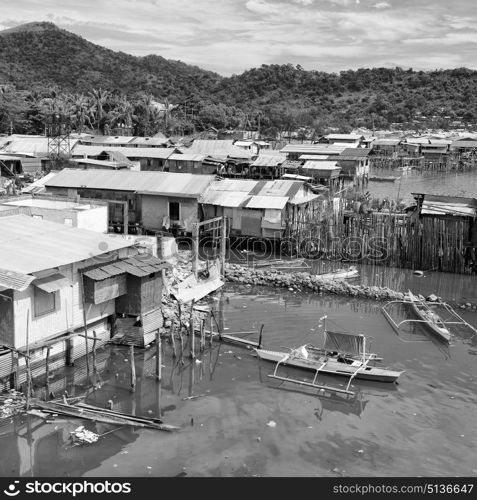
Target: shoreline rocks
{"x":301,"y":281}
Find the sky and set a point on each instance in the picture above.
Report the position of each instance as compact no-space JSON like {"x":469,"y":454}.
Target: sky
{"x":231,"y":36}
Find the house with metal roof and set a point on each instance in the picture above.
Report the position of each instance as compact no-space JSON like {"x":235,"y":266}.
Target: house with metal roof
{"x":261,"y":209}
{"x":350,"y":140}
{"x":146,"y":157}
{"x":354,"y":164}
{"x":142,"y":201}
{"x":61,"y":286}
{"x":296,"y":151}
{"x":192,"y":163}
{"x":218,"y":149}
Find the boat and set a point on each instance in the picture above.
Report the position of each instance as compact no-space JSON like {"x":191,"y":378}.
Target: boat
{"x":279,"y":263}
{"x":351,"y":272}
{"x":404,"y":168}
{"x":430,"y":318}
{"x":383,"y":178}
{"x":342,"y":354}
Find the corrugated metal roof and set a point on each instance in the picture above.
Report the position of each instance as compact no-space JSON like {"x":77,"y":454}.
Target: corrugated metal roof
{"x":321,"y":165}
{"x":14,"y":280}
{"x":130,"y":152}
{"x":29,"y":144}
{"x":108,"y":139}
{"x":228,"y":199}
{"x":237,"y":185}
{"x":305,"y":199}
{"x":38,"y":184}
{"x":268,"y":161}
{"x":154,"y":183}
{"x":314,"y":148}
{"x":352,"y":153}
{"x":29,"y":245}
{"x":140,"y":266}
{"x":464,"y":144}
{"x":187,"y":157}
{"x":217,"y":148}
{"x":52,"y":283}
{"x":386,"y":142}
{"x":98,"y":163}
{"x":351,"y":137}
{"x":278,"y":187}
{"x":150,"y":141}
{"x":271,"y":202}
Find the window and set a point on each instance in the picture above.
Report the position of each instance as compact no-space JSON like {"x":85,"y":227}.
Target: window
{"x":174,"y":210}
{"x":69,"y":222}
{"x":44,"y":302}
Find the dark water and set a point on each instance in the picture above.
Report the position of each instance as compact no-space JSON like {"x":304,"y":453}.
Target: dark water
{"x":423,"y":426}
{"x":413,"y":181}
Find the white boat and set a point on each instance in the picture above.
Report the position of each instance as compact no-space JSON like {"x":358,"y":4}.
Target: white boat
{"x":430,"y":318}
{"x":342,"y":354}
{"x":351,"y":272}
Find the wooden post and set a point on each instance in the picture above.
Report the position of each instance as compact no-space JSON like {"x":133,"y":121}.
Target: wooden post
{"x":192,"y":333}
{"x":27,"y":362}
{"x":15,"y":377}
{"x":47,"y":374}
{"x":85,"y":323}
{"x":173,"y":340}
{"x":95,"y":369}
{"x":70,"y":351}
{"x":133,"y":368}
{"x":125,"y":217}
{"x":223,"y":244}
{"x":211,"y":339}
{"x":202,"y":335}
{"x":180,"y":334}
{"x":195,"y":249}
{"x":158,"y":356}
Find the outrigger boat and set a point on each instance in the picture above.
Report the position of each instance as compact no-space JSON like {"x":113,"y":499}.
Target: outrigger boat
{"x":351,"y":272}
{"x":342,"y":354}
{"x":428,"y":316}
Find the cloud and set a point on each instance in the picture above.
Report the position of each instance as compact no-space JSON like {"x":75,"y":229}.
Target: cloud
{"x":230,"y":36}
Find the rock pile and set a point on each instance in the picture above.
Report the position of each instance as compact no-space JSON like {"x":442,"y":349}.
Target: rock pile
{"x":300,"y":281}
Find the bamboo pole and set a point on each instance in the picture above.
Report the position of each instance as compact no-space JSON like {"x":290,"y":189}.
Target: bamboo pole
{"x":202,"y":335}
{"x":133,"y":368}
{"x":223,"y":244}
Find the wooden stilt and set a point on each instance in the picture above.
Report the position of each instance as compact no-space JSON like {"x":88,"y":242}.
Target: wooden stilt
{"x":15,"y":376}
{"x":70,"y":352}
{"x":211,"y":338}
{"x":192,"y":335}
{"x":173,"y":340}
{"x":133,"y":368}
{"x":158,"y":356}
{"x":85,"y":324}
{"x":202,"y":335}
{"x":47,"y":374}
{"x":95,"y":368}
{"x":27,"y":362}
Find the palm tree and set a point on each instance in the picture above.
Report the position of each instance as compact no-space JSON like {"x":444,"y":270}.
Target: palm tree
{"x":99,"y":98}
{"x":81,"y":112}
{"x":122,"y":113}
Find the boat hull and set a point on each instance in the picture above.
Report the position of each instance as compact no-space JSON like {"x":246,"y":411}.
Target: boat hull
{"x":332,"y":366}
{"x":441,"y":333}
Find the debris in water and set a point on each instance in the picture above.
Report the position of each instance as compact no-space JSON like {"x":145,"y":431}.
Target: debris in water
{"x":81,"y":435}
{"x":272,"y":423}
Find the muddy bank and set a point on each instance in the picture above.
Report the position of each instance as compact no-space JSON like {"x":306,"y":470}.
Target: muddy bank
{"x":305,"y":282}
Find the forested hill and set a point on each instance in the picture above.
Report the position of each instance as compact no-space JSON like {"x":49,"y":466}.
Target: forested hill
{"x":40,"y":58}
{"x":41,"y":55}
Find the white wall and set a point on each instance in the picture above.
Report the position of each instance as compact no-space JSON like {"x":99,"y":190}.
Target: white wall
{"x":94,"y":219}
{"x":69,"y":309}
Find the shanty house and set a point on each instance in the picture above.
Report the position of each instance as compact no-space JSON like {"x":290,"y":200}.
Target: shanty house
{"x":41,"y":298}
{"x":323,"y":151}
{"x":354,"y":164}
{"x":261,"y":209}
{"x":152,"y":201}
{"x":189,"y":163}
